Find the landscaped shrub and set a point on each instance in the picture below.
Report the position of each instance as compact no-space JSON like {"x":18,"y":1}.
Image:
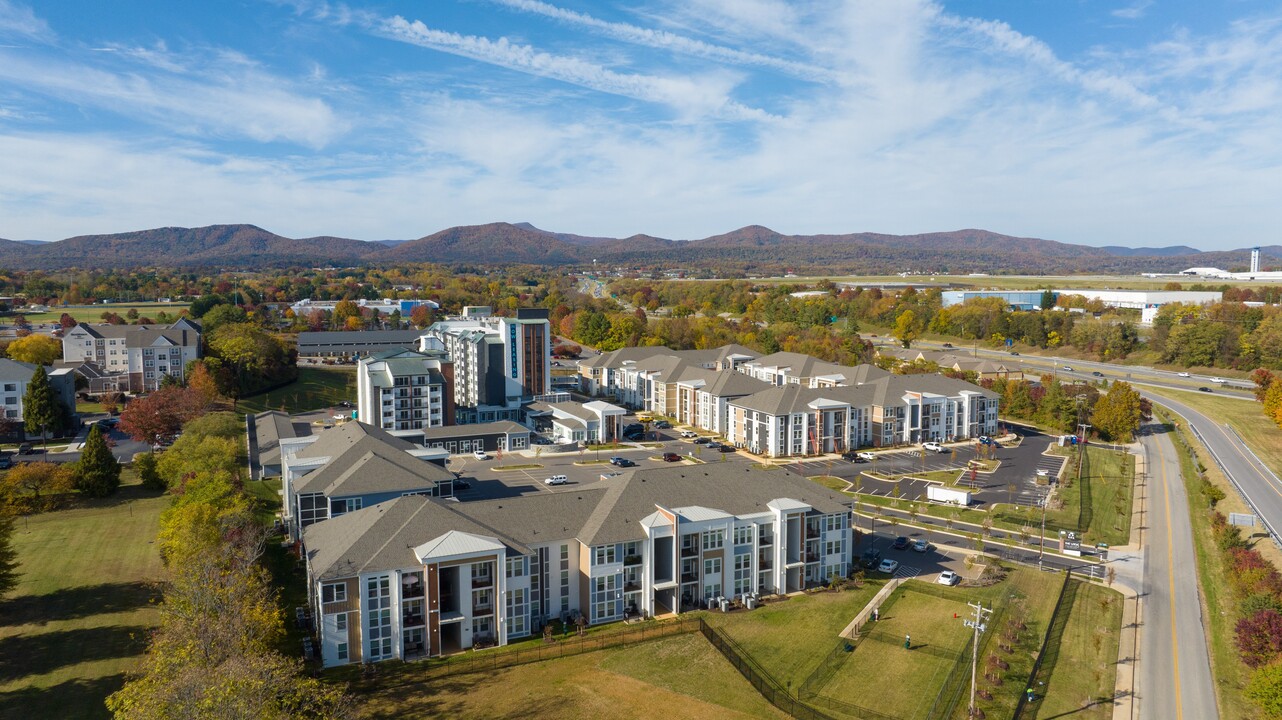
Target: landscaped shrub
{"x":1259,"y":637}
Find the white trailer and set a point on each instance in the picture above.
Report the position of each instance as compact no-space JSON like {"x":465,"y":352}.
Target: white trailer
{"x":936,"y":493}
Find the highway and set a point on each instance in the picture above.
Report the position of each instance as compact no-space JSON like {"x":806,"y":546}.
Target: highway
{"x":1174,"y":680}
{"x":1258,"y":484}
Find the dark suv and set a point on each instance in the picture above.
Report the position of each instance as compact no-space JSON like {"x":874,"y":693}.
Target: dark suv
{"x":870,"y":558}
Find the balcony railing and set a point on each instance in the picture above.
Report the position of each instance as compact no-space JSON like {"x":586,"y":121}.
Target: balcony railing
{"x":689,"y":577}
{"x":631,"y":586}
{"x":766,"y":540}
{"x":479,"y":609}
{"x":411,"y":620}
{"x":480,"y":581}
{"x":812,"y":557}
{"x":414,"y":650}
{"x":689,"y":551}
{"x":412,"y":591}
{"x":812,"y":532}
{"x":632,"y":560}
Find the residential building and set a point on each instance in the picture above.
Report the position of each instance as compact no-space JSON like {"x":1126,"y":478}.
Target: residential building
{"x":590,"y":422}
{"x":14,"y":378}
{"x":350,"y":466}
{"x":405,"y":390}
{"x":498,"y":436}
{"x":349,"y":344}
{"x":136,"y":358}
{"x":416,"y":577}
{"x":382,"y":306}
{"x":499,"y":362}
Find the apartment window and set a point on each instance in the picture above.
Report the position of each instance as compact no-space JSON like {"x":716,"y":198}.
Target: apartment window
{"x":605,"y":602}
{"x":604,"y":555}
{"x":516,"y":566}
{"x":516,"y":613}
{"x":742,"y":574}
{"x":565,"y":584}
{"x":712,"y":566}
{"x":342,"y":651}
{"x":714,"y":540}
{"x":10,"y":387}
{"x":743,"y":535}
{"x":336,"y":592}
{"x":11,"y":400}
{"x":712,"y":590}
{"x":340,"y":621}
{"x":379,"y":603}
{"x":345,"y":505}
{"x":832,"y":547}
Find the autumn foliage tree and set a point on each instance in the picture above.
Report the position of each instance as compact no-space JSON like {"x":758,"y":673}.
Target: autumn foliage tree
{"x":35,"y":349}
{"x":33,"y":486}
{"x":1259,"y":637}
{"x":159,"y":416}
{"x":1118,"y":412}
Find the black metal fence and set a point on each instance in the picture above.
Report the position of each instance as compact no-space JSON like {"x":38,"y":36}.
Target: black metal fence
{"x":770,"y":688}
{"x":1055,"y":631}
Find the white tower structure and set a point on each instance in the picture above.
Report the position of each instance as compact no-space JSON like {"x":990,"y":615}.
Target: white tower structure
{"x":1255,"y":260}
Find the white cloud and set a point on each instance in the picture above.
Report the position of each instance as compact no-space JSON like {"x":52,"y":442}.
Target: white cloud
{"x":19,"y":21}
{"x":1134,"y":11}
{"x":707,"y":95}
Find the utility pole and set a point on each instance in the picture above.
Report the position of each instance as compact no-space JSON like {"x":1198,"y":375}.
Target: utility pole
{"x":1081,"y":449}
{"x":981,"y":613}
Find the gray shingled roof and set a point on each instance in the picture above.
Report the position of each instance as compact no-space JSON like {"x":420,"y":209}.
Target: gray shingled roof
{"x":334,"y":441}
{"x":16,"y":371}
{"x":269,"y":429}
{"x":468,"y":431}
{"x":308,"y":339}
{"x":537,"y":518}
{"x":371,"y":466}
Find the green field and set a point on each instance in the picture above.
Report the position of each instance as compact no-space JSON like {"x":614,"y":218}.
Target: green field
{"x":1098,"y":506}
{"x":680,"y":677}
{"x":93,"y":313}
{"x":1082,"y":656}
{"x":316,"y":388}
{"x":1246,"y":417}
{"x":84,"y":604}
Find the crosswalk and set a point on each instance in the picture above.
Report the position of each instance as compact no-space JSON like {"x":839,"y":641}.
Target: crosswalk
{"x":907,"y":572}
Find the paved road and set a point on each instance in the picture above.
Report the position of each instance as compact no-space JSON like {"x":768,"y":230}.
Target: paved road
{"x":1174,"y":668}
{"x":1260,"y":486}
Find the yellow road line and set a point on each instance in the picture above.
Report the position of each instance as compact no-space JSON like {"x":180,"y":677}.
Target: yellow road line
{"x":1255,"y":464}
{"x":1170,"y":575}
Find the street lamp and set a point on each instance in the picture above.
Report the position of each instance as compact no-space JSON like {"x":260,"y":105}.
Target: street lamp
{"x":1042,"y":550}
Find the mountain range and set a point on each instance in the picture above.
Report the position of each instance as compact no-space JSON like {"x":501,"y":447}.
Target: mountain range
{"x":753,"y":248}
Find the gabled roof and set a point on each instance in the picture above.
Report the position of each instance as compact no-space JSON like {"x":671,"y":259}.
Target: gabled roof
{"x":473,"y":430}
{"x":269,"y":429}
{"x":455,"y":542}
{"x":332,"y":442}
{"x":16,"y":371}
{"x":370,"y":468}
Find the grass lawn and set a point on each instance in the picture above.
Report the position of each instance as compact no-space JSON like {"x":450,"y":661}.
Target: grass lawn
{"x":93,"y":313}
{"x":681,"y":677}
{"x":873,"y":675}
{"x":1247,"y":418}
{"x":1099,"y":505}
{"x":1082,"y":662}
{"x":315,"y":388}
{"x":79,"y":617}
{"x":791,"y":637}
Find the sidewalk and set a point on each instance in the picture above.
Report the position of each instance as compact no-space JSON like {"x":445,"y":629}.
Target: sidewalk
{"x":1129,"y":562}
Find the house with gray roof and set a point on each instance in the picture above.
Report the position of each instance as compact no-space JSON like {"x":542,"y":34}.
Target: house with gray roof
{"x":14,"y":378}
{"x":420,"y":577}
{"x":135,"y":357}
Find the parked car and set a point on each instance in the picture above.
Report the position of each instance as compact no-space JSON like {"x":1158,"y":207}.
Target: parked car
{"x":888,"y":566}
{"x":853,"y":457}
{"x":948,"y":345}
{"x":663,"y":425}
{"x":671,"y":457}
{"x":870,"y":558}
{"x":556,"y":480}
{"x":461,"y":484}
{"x":921,"y":546}
{"x":1014,"y":353}
{"x":933,"y":446}
{"x":725,"y":448}
{"x":689,"y":434}
{"x":481,"y":455}
{"x":948,"y":577}
{"x":1067,"y":368}
{"x":866,"y":456}
{"x":1204,"y":389}
{"x":703,"y":441}
{"x":901,"y":543}
{"x":5,"y":462}
{"x":25,"y":449}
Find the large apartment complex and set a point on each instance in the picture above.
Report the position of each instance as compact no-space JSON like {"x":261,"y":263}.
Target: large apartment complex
{"x":132,"y":358}
{"x":787,"y":404}
{"x":419,"y":577}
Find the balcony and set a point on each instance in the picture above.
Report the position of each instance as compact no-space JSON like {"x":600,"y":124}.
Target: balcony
{"x":766,"y":540}
{"x":692,"y":551}
{"x":414,"y":590}
{"x":632,"y":586}
{"x":480,"y":609}
{"x":631,"y":560}
{"x":689,"y":577}
{"x":812,"y":533}
{"x":412,"y":620}
{"x":482,"y":581}
{"x":414,"y":651}
{"x":764,"y":562}
{"x":812,"y":557}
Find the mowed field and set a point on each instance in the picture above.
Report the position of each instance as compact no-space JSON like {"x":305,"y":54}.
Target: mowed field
{"x":93,"y":313}
{"x":676,"y":678}
{"x":315,"y":388}
{"x":79,"y":618}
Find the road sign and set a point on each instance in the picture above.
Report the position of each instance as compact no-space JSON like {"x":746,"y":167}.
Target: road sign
{"x":1243,"y":519}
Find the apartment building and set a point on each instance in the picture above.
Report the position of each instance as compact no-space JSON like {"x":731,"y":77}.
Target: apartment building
{"x":499,"y":362}
{"x":897,"y":409}
{"x":416,"y":577}
{"x":629,"y":374}
{"x":405,"y":390}
{"x":346,"y":344}
{"x":14,"y":378}
{"x":590,"y":422}
{"x":133,"y":358}
{"x":351,"y":466}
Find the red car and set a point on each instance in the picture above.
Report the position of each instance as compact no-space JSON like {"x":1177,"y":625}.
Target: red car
{"x":671,"y":457}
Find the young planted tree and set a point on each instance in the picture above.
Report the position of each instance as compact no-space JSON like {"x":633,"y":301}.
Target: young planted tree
{"x":145,"y":466}
{"x":39,"y":408}
{"x":98,"y":472}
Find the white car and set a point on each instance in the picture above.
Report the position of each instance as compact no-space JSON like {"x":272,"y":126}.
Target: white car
{"x":689,"y":434}
{"x":867,"y":456}
{"x":888,"y":566}
{"x":1066,"y":368}
{"x":556,"y":480}
{"x":948,"y":577}
{"x":1183,"y":374}
{"x":1218,"y":380}
{"x":933,"y":446}
{"x":480,"y":455}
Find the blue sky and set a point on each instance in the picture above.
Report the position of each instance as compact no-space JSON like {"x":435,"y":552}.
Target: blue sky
{"x":1131,"y":122}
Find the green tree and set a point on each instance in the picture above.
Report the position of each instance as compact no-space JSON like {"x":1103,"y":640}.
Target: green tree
{"x":1117,"y":413}
{"x":8,"y":557}
{"x":220,"y":315}
{"x":145,"y":466}
{"x":906,"y":329}
{"x":39,"y":408}
{"x":1265,"y":688}
{"x":98,"y":472}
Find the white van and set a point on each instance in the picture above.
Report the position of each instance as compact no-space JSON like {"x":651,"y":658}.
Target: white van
{"x":556,"y":480}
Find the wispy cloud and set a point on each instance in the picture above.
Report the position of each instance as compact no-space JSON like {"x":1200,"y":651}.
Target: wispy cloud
{"x":19,"y":21}
{"x":669,"y":41}
{"x":707,"y":95}
{"x":1134,"y":11}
